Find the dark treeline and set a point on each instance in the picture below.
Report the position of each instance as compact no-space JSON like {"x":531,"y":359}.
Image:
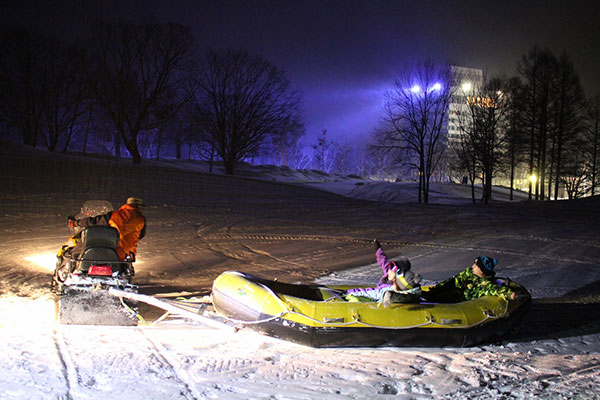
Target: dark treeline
{"x":143,"y":87}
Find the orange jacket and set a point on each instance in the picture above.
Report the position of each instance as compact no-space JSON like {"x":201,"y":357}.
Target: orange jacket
{"x":131,"y":225}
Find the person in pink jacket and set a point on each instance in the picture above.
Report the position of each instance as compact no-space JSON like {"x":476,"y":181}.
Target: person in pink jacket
{"x":398,"y":283}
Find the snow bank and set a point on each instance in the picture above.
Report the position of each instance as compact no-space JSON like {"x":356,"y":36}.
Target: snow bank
{"x":202,"y":224}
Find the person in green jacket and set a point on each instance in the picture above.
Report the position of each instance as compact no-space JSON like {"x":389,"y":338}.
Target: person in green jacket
{"x":475,"y":281}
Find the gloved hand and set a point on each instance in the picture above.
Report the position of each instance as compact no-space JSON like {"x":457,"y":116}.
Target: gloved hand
{"x":377,"y":244}
{"x":409,"y":277}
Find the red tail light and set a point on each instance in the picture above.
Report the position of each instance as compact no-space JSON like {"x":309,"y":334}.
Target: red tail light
{"x":100,"y":270}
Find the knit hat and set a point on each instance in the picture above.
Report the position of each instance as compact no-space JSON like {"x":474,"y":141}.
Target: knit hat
{"x":402,"y":265}
{"x":134,"y":201}
{"x":486,"y":264}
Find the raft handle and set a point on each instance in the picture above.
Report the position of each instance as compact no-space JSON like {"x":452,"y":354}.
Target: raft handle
{"x":450,"y":321}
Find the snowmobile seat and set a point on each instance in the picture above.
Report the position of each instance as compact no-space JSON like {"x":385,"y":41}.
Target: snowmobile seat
{"x":99,"y":244}
{"x":100,"y":236}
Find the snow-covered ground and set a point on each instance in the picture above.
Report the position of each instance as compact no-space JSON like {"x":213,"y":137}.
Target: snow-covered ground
{"x":298,"y":235}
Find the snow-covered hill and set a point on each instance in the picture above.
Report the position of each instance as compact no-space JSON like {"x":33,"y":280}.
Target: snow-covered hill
{"x":202,"y":224}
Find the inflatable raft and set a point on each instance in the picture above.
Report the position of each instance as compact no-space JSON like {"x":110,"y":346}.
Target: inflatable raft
{"x":319,"y":316}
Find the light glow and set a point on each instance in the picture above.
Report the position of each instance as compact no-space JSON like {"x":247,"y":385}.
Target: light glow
{"x":533,"y":178}
{"x":415,"y":89}
{"x":46,"y":261}
{"x":436,"y":87}
{"x":466,"y":86}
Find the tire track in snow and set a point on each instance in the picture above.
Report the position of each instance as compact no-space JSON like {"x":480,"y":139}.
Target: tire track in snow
{"x":580,"y":242}
{"x":348,"y":239}
{"x":169,"y":360}
{"x":269,"y":255}
{"x":433,"y":245}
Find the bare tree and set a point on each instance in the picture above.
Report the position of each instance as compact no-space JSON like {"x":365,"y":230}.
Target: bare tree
{"x":576,"y":173}
{"x":43,"y":91}
{"x":283,"y":145}
{"x":462,"y":153}
{"x":554,"y":115}
{"x":300,"y":156}
{"x":490,"y":112}
{"x":22,"y":61}
{"x":184,"y":128}
{"x":569,"y":112}
{"x":279,"y":149}
{"x":64,"y":94}
{"x":538,"y":69}
{"x":138,"y":72}
{"x":325,"y":153}
{"x":415,"y":113}
{"x":592,"y":141}
{"x":245,"y":98}
{"x":516,"y":133}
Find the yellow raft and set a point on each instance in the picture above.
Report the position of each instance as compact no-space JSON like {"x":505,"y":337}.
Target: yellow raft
{"x":319,"y":316}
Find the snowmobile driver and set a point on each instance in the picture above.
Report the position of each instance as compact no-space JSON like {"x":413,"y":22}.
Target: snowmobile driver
{"x":131,"y":224}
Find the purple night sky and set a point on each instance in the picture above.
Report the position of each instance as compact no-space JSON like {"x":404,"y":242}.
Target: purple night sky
{"x":344,"y":54}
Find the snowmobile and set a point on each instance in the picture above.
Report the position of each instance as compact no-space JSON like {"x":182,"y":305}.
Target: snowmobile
{"x":88,"y":266}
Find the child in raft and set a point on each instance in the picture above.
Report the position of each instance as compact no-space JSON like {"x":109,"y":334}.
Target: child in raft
{"x":397,"y":285}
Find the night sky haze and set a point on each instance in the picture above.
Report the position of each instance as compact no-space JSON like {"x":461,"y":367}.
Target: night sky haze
{"x":343,"y":55}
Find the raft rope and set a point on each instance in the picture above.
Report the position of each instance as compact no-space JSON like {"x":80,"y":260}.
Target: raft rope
{"x":258,"y":321}
{"x":132,"y":311}
{"x":356,"y":319}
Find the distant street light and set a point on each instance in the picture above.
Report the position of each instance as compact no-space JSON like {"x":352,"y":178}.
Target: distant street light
{"x":436,"y":87}
{"x":466,"y":86}
{"x":533,"y":178}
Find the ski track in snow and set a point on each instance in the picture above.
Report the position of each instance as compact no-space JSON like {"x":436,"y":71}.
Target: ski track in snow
{"x":68,"y":368}
{"x":162,"y":354}
{"x":174,"y":361}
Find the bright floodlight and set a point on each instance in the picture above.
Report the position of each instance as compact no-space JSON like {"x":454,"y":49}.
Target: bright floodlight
{"x":466,"y":86}
{"x":437,"y":86}
{"x":415,"y":89}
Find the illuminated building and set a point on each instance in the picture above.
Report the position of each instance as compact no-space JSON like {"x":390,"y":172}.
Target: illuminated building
{"x":465,"y":82}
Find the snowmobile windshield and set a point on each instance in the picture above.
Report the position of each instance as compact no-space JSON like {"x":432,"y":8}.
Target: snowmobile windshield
{"x":93,"y":208}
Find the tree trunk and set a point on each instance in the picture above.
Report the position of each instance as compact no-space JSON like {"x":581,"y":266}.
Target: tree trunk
{"x":159,"y":144}
{"x":559,"y":151}
{"x":532,"y":139}
{"x":117,"y":145}
{"x":595,"y":152}
{"x":178,"y":149}
{"x":132,"y":147}
{"x":87,"y":130}
{"x":426,"y":190}
{"x":512,"y":171}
